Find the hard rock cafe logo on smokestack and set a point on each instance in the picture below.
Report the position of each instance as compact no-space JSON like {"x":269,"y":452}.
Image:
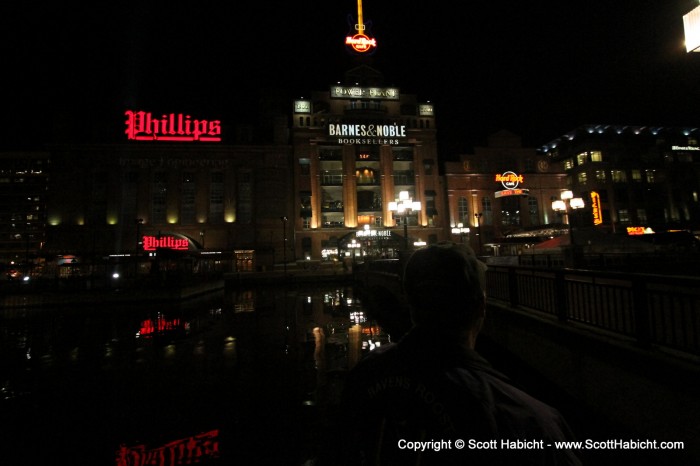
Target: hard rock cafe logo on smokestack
{"x":173,"y":127}
{"x":358,"y":40}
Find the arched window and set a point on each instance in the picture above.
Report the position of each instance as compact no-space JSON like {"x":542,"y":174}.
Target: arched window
{"x":487,"y":210}
{"x":463,"y":211}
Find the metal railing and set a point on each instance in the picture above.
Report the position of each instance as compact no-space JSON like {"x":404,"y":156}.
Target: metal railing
{"x":652,"y":310}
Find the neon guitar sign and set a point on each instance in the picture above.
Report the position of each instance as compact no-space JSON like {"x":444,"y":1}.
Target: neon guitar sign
{"x":360,"y":42}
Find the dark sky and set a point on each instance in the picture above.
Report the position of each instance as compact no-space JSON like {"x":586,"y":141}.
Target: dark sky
{"x":536,"y":68}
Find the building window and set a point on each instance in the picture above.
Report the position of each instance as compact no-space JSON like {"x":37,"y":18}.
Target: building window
{"x":305,"y":204}
{"x":463,"y":211}
{"x":623,"y":216}
{"x":533,"y":211}
{"x":306,"y":223}
{"x":332,"y":177}
{"x":637,"y":176}
{"x":368,"y":201}
{"x":487,"y":210}
{"x":304,"y":166}
{"x":582,"y":178}
{"x":651,"y":176}
{"x":600,"y":175}
{"x":596,"y":156}
{"x":618,"y":176}
{"x":642,"y":216}
{"x":430,"y":207}
{"x":366,"y":175}
{"x":581,"y":158}
{"x":568,"y":164}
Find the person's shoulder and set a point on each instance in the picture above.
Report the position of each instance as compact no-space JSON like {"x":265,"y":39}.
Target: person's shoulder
{"x":524,"y":414}
{"x":377,"y":361}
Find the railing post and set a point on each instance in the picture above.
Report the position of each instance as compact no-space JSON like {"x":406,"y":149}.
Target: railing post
{"x":513,"y":287}
{"x":561,"y":297}
{"x":642,"y":319}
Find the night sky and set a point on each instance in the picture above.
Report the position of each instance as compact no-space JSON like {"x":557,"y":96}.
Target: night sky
{"x":537,"y":71}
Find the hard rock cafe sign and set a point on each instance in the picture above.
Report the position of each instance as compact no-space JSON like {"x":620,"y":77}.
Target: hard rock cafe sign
{"x":510,"y":181}
{"x":172,"y":127}
{"x":358,"y":40}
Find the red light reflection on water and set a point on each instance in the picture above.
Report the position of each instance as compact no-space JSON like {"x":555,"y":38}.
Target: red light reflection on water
{"x":149,"y":327}
{"x":190,"y":450}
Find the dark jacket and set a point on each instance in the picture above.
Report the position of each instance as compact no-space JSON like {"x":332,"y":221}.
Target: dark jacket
{"x":425,"y":389}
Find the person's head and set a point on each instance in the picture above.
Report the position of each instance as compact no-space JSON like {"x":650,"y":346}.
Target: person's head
{"x":445,"y":285}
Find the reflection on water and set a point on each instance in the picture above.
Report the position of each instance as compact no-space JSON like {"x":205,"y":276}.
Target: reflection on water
{"x":253,"y":365}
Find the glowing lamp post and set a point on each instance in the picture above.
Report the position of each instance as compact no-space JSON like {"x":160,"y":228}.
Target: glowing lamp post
{"x":403,"y":207}
{"x":460,"y":230}
{"x":564,"y":206}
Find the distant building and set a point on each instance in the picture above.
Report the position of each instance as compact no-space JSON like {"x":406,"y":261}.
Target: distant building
{"x":216,"y":200}
{"x":503,"y":194}
{"x":357,"y":146}
{"x":24,"y":178}
{"x":633,"y":179}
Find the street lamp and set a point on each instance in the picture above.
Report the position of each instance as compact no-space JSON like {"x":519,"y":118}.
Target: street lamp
{"x":564,"y":206}
{"x":403,"y":207}
{"x":478,"y":216}
{"x":460,"y":230}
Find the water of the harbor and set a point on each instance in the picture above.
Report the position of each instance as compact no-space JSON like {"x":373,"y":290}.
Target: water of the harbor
{"x":241,"y":377}
{"x":232,"y":378}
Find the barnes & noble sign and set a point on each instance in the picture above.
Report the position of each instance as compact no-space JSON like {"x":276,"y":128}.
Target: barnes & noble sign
{"x":367,"y":134}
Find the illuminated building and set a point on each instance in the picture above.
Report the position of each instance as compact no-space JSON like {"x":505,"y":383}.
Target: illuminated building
{"x":139,"y":196}
{"x":23,"y":199}
{"x":502,"y":193}
{"x":645,"y":178}
{"x":356,"y":146}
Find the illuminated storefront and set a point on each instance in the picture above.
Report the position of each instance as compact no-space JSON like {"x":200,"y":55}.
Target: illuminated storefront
{"x":502,"y":193}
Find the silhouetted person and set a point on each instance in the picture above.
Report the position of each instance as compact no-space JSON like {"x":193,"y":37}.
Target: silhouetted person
{"x":432,"y":386}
